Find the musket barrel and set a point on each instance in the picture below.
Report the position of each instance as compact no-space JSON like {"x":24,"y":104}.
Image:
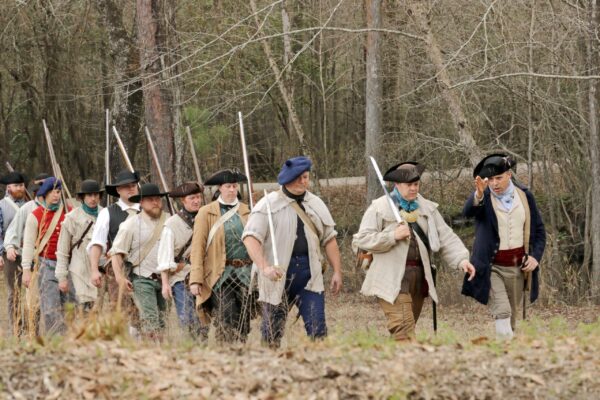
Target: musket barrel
{"x":122,"y":148}
{"x":193,"y":151}
{"x":107,"y":154}
{"x":157,"y":164}
{"x":246,"y":164}
{"x":55,"y":166}
{"x":271,"y":230}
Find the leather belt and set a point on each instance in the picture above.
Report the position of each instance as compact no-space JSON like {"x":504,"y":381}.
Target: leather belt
{"x":238,"y":262}
{"x":413,"y":263}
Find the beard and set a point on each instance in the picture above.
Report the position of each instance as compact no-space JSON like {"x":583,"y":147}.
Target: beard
{"x":154,"y":212}
{"x":18,"y":194}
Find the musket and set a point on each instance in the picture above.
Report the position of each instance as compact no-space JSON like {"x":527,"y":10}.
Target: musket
{"x":193,"y":151}
{"x":107,"y":155}
{"x":123,"y":151}
{"x":11,"y":169}
{"x":526,"y":286}
{"x":195,"y":161}
{"x":272,"y":231}
{"x":55,"y":166}
{"x":160,"y":172}
{"x":246,"y":164}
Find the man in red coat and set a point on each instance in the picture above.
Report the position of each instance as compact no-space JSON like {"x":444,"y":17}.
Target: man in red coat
{"x":40,"y":241}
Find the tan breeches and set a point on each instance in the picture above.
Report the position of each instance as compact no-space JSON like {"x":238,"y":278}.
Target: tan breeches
{"x":402,"y":316}
{"x":506,"y":293}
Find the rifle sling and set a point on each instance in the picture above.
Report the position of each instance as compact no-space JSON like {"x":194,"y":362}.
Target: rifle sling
{"x":311,"y":226}
{"x":78,"y":243}
{"x":186,"y":246}
{"x":224,"y":218}
{"x":417,"y":229}
{"x":44,"y":241}
{"x":152,"y":241}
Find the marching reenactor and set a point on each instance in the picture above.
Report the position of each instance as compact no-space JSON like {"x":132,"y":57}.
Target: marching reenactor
{"x":298,"y":279}
{"x":400,"y":274}
{"x":221,"y":268}
{"x":40,"y":241}
{"x":14,"y":199}
{"x":509,"y":242}
{"x":136,"y":245}
{"x":174,"y":257}
{"x":73,"y":263}
{"x":104,"y":233}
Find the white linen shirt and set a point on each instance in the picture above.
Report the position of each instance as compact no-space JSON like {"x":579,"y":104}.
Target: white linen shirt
{"x":100,"y":233}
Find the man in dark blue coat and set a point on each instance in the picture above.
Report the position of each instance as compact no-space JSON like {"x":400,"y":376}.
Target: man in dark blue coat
{"x":509,"y":241}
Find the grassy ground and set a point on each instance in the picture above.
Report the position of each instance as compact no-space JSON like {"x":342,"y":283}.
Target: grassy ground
{"x":553,"y":356}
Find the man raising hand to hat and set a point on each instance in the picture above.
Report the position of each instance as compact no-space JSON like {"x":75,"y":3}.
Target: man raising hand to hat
{"x":401,"y":274}
{"x":509,"y":241}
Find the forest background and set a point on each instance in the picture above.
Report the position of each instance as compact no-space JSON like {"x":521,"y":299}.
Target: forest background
{"x":439,"y":82}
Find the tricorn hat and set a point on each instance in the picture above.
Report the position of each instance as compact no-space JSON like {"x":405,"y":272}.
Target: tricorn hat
{"x":13,"y":177}
{"x":147,"y":190}
{"x":226,"y":176}
{"x":406,"y":172}
{"x":89,"y":186}
{"x":123,"y":178}
{"x":186,"y":189}
{"x":494,"y":164}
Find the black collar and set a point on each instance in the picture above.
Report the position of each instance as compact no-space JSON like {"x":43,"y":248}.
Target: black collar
{"x":297,"y":197}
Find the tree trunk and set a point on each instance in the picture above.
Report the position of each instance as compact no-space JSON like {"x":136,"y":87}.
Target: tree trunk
{"x":465,"y":136}
{"x":373,"y":112}
{"x":592,"y":60}
{"x":125,"y":99}
{"x":158,"y":96}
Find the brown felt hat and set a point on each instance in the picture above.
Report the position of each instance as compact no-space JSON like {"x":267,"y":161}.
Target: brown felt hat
{"x":186,"y":189}
{"x":405,"y":172}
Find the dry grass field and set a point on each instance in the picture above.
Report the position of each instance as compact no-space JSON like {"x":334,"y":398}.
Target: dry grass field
{"x":554,"y":354}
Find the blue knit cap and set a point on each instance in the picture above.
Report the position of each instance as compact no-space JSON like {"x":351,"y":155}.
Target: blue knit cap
{"x":293,"y":168}
{"x":48,"y":185}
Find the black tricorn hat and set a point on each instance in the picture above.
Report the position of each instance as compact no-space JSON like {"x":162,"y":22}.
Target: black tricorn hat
{"x":405,"y":172}
{"x":89,"y":186}
{"x":147,"y":190}
{"x":123,"y":178}
{"x":226,"y":176}
{"x":13,"y":177}
{"x":186,"y":189}
{"x":494,"y":164}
